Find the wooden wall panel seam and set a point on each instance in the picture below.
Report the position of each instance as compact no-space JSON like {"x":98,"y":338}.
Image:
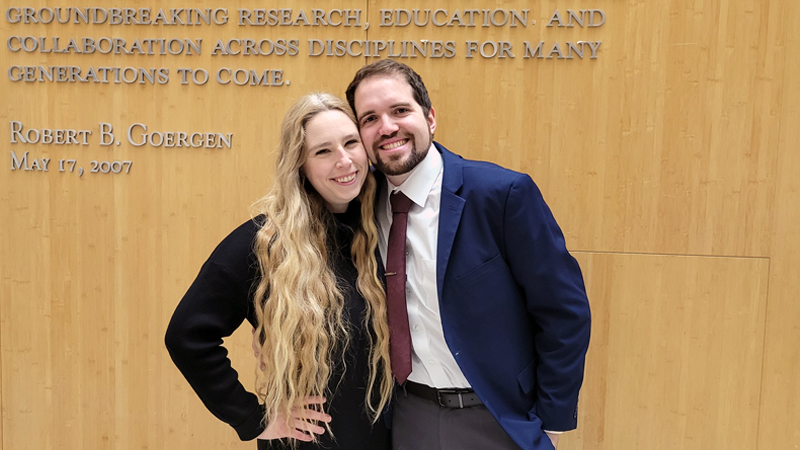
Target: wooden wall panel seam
{"x":592,"y":252}
{"x":763,"y":355}
{"x":2,"y":392}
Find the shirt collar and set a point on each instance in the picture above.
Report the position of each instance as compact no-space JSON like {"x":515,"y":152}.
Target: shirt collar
{"x":419,"y":184}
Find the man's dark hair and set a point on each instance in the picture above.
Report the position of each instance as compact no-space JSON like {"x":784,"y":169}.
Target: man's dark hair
{"x":388,"y":67}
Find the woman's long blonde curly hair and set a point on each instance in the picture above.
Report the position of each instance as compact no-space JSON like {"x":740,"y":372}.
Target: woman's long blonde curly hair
{"x":301,"y":325}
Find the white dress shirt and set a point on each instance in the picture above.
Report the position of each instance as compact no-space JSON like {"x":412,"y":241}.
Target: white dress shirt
{"x":431,"y":361}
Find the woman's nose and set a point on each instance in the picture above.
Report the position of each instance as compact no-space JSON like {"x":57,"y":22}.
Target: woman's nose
{"x":344,"y":159}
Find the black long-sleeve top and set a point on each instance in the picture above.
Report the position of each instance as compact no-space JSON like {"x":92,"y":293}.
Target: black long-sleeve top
{"x":221,"y":298}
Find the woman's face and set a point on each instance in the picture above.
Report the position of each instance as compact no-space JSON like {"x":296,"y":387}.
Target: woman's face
{"x":336,"y":164}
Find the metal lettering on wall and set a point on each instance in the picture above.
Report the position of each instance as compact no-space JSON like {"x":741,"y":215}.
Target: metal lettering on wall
{"x":27,"y":37}
{"x":468,"y":18}
{"x":137,"y":135}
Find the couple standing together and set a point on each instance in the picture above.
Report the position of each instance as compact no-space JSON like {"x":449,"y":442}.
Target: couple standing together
{"x":428,"y":305}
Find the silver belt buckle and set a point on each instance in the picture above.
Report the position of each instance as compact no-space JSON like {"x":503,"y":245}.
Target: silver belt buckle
{"x":457,"y":392}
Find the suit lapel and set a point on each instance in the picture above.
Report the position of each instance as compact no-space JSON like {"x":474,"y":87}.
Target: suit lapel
{"x":449,"y":212}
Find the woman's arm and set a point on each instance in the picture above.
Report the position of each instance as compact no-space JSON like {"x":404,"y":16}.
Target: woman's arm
{"x":215,"y":305}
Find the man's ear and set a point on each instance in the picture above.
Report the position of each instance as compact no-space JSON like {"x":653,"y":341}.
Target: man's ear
{"x":432,"y":120}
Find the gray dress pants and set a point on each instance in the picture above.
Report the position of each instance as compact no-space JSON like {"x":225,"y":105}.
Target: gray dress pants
{"x":420,"y":424}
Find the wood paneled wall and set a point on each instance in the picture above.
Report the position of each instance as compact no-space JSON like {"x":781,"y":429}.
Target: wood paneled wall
{"x":670,"y":162}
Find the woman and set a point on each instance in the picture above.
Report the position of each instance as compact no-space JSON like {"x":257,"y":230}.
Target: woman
{"x":303,"y":272}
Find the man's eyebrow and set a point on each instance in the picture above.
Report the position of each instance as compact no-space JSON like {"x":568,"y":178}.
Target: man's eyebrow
{"x":361,"y":117}
{"x":392,"y":106}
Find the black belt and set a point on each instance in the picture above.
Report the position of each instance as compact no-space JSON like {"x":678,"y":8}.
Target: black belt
{"x":446,"y":398}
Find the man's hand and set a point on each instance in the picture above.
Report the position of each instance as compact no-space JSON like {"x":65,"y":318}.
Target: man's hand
{"x":553,"y":438}
{"x":303,"y":422}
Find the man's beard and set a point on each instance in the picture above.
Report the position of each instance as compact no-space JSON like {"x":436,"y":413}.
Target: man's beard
{"x":396,"y":167}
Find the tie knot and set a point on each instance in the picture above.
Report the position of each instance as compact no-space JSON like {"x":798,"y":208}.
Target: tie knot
{"x":400,"y":203}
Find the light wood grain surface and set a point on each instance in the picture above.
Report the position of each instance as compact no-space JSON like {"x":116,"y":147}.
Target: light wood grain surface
{"x":670,"y":161}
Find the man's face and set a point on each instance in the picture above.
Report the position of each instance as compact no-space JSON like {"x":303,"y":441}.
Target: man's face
{"x":394,"y":130}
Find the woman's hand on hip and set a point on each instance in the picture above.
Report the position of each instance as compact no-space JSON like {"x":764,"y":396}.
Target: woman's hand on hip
{"x":303,"y":424}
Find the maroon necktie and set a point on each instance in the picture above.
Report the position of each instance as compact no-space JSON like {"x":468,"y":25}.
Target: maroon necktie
{"x":396,"y":288}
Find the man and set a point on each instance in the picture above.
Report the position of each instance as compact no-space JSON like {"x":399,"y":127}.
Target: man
{"x":496,"y":308}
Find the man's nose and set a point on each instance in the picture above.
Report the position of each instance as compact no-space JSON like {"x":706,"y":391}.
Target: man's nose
{"x":388,"y":126}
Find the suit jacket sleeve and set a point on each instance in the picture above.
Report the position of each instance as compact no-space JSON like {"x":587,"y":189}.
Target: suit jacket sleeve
{"x":556,"y":299}
{"x":215,"y":305}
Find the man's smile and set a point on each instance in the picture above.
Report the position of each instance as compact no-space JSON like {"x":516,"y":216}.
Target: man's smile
{"x":394,"y":145}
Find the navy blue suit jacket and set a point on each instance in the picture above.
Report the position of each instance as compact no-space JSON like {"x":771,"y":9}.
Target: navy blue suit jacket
{"x":512,"y":300}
